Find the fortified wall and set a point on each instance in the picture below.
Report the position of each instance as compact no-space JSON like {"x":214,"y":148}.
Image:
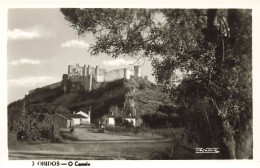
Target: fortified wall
{"x":80,"y":78}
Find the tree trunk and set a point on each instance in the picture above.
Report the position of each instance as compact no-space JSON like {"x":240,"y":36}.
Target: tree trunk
{"x":229,"y":141}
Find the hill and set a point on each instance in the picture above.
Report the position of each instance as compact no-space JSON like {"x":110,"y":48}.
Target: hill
{"x":140,"y":94}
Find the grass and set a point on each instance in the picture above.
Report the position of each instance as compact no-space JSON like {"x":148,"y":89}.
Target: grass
{"x":87,"y":151}
{"x":180,"y":147}
{"x":169,"y":133}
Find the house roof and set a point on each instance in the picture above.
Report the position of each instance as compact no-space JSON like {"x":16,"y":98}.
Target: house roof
{"x":62,"y":115}
{"x":75,"y":116}
{"x":82,"y":113}
{"x":112,"y":116}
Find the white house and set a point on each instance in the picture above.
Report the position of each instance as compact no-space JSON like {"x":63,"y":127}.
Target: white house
{"x":130,"y":119}
{"x":77,"y":119}
{"x":87,"y":119}
{"x":109,"y":120}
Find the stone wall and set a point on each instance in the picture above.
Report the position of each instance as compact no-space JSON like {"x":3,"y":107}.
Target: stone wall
{"x":79,"y":78}
{"x":77,"y":70}
{"x":52,"y":86}
{"x":114,"y":75}
{"x":80,"y":83}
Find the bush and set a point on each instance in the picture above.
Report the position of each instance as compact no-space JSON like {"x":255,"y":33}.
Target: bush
{"x":142,"y":86}
{"x":69,"y":136}
{"x":22,"y":135}
{"x":155,"y":120}
{"x":119,"y":121}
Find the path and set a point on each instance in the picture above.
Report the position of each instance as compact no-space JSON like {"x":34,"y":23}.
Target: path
{"x":84,"y":134}
{"x":91,"y":146}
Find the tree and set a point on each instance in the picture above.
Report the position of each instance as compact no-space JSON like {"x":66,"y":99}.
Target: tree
{"x":115,"y":110}
{"x":211,"y":48}
{"x":155,"y":120}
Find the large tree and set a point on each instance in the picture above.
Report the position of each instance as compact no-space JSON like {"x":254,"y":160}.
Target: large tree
{"x":211,"y":48}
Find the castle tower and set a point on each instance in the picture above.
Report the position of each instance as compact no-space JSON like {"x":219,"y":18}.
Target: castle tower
{"x":69,"y":69}
{"x":85,"y":70}
{"x":78,"y":70}
{"x":88,"y":70}
{"x":96,"y":71}
{"x":89,"y":83}
{"x":137,"y":71}
{"x":126,"y":73}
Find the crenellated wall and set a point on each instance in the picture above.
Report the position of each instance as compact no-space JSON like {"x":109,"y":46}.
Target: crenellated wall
{"x":79,"y":78}
{"x":77,"y":70}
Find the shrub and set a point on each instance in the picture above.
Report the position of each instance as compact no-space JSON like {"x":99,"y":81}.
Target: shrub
{"x":22,"y":135}
{"x":155,"y":120}
{"x":119,"y":121}
{"x":69,"y":136}
{"x":142,"y":86}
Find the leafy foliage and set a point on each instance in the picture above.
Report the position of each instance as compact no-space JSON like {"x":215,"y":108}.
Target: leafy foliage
{"x":155,"y":120}
{"x":207,"y":51}
{"x":30,"y":122}
{"x":119,"y":121}
{"x":115,"y":110}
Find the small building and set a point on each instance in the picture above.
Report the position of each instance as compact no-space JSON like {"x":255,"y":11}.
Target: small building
{"x":130,"y":119}
{"x":61,"y":121}
{"x":77,"y":119}
{"x":87,"y":119}
{"x":109,"y":120}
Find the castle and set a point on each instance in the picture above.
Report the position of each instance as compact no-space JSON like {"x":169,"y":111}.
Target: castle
{"x":80,"y":78}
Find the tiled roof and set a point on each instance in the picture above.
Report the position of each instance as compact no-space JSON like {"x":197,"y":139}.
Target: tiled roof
{"x":75,"y":116}
{"x":62,"y":115}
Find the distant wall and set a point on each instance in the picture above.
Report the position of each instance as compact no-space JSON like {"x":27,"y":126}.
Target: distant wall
{"x":83,"y":81}
{"x":79,"y":78}
{"x":137,"y":71}
{"x":114,"y":75}
{"x":51,"y":86}
{"x":77,"y":70}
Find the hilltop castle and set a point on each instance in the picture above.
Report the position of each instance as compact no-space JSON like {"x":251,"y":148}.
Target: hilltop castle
{"x":80,"y":78}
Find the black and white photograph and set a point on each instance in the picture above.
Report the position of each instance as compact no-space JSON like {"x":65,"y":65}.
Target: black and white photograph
{"x":129,"y":84}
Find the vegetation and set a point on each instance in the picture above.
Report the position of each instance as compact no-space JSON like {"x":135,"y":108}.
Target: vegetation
{"x":155,"y":120}
{"x":177,"y":134}
{"x":211,"y":49}
{"x":47,"y":95}
{"x":31,"y":122}
{"x":68,"y":136}
{"x":120,"y":122}
{"x":108,"y":94}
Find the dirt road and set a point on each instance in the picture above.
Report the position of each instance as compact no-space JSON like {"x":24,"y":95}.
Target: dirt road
{"x":87,"y":135}
{"x":92,"y":146}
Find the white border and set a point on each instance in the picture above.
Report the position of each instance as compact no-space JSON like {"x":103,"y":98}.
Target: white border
{"x":4,"y":5}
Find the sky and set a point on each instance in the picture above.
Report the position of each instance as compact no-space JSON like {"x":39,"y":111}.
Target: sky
{"x":41,"y":45}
